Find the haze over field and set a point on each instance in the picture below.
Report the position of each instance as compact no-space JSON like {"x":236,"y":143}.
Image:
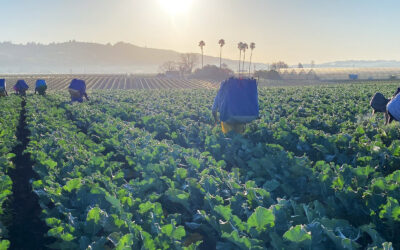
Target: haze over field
{"x":79,"y":57}
{"x":287,"y":30}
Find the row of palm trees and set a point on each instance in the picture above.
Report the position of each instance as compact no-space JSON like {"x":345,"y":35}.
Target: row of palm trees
{"x":241,"y":46}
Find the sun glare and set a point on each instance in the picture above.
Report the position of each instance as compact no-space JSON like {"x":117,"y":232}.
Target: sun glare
{"x":174,"y":7}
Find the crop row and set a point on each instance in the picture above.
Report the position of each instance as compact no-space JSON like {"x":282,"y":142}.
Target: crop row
{"x":157,"y":195}
{"x":242,"y":203}
{"x":95,"y":82}
{"x":369,"y":149}
{"x":186,"y":119}
{"x":253,"y":157}
{"x":148,"y":170}
{"x":9,"y":117}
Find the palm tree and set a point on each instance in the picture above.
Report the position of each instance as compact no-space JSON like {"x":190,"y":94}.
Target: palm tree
{"x":201,"y":45}
{"x":221,"y":44}
{"x":252,"y":47}
{"x":244,"y":48}
{"x":240,"y":47}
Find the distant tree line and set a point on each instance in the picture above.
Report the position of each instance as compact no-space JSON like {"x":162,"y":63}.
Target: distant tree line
{"x":187,"y":63}
{"x":212,"y":72}
{"x":184,"y":66}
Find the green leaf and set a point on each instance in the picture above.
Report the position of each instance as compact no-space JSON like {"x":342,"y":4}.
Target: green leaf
{"x":241,"y":242}
{"x":55,"y":232}
{"x":297,"y":234}
{"x":193,"y":162}
{"x":97,"y":162}
{"x":360,"y":130}
{"x":125,"y":242}
{"x":144,"y":207}
{"x":167,"y":229}
{"x":4,"y":244}
{"x":224,"y":211}
{"x":51,"y":222}
{"x":179,"y":233}
{"x":67,"y":237}
{"x":338,"y":183}
{"x":115,"y":202}
{"x":178,"y":196}
{"x":37,"y":184}
{"x":148,"y":242}
{"x":181,"y":172}
{"x":73,"y":184}
{"x":390,"y":210}
{"x":94,"y":214}
{"x":261,"y":218}
{"x":378,"y":184}
{"x":50,"y":163}
{"x":174,"y":232}
{"x":10,"y":155}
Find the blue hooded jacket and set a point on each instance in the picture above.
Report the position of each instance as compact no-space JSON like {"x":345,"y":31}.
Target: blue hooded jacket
{"x":21,"y":85}
{"x":2,"y":83}
{"x":237,"y":100}
{"x":40,"y":83}
{"x":79,"y":85}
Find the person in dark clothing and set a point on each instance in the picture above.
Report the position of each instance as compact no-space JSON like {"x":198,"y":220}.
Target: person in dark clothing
{"x":3,"y":91}
{"x":40,"y":87}
{"x":393,"y":108}
{"x":390,"y":107}
{"x":225,"y":126}
{"x":21,"y":87}
{"x":77,"y":90}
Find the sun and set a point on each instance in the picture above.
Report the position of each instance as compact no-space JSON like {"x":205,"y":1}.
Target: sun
{"x":175,"y":7}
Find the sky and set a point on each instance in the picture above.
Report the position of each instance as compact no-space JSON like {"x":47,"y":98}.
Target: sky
{"x":289,"y":30}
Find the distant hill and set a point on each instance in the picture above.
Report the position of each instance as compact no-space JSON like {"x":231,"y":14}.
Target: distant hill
{"x":79,"y":57}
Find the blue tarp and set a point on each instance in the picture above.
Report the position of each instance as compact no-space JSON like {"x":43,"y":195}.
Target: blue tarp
{"x":40,"y":83}
{"x":21,"y":85}
{"x":3,"y":83}
{"x":353,"y":76}
{"x":239,"y":100}
{"x":79,"y":85}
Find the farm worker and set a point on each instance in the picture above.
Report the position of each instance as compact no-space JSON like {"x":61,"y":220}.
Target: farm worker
{"x":41,"y":87}
{"x":77,"y":90}
{"x":3,"y":91}
{"x":393,"y":109}
{"x":21,"y":87}
{"x":237,"y":104}
{"x":397,"y":91}
{"x":390,"y":107}
{"x":378,"y":103}
{"x":225,"y":126}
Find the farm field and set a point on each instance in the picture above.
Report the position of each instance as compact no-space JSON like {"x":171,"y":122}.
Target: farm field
{"x":94,"y":82}
{"x":147,"y":169}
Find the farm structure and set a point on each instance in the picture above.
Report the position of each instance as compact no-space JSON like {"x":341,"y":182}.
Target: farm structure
{"x":339,"y":73}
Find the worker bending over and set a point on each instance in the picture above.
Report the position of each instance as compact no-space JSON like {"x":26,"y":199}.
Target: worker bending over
{"x":77,"y":90}
{"x":3,"y":91}
{"x":41,"y":87}
{"x":390,"y":107}
{"x":21,"y":87}
{"x":237,"y":104}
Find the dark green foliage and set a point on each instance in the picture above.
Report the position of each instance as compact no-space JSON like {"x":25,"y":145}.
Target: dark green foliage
{"x":147,"y":169}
